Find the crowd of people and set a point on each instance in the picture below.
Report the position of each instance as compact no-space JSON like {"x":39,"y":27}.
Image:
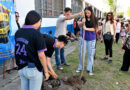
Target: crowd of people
{"x":33,"y":50}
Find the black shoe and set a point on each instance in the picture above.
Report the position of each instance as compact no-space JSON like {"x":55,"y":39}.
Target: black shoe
{"x":65,"y":64}
{"x":8,"y":71}
{"x":109,"y":61}
{"x":59,"y":68}
{"x":15,"y":68}
{"x":105,"y":59}
{"x":123,"y":70}
{"x":88,"y":71}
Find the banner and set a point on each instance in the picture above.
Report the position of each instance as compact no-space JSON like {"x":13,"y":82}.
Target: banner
{"x":8,"y":28}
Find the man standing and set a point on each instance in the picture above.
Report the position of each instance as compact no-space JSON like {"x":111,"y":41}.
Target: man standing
{"x":17,"y":19}
{"x":61,"y":30}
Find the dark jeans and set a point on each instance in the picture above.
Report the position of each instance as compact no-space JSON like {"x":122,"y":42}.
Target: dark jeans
{"x":126,"y":61}
{"x":108,"y":47}
{"x":59,"y":54}
{"x":117,"y":37}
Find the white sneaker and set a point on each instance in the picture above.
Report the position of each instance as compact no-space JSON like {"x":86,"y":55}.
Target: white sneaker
{"x":91,"y":74}
{"x":78,"y":71}
{"x":60,"y":68}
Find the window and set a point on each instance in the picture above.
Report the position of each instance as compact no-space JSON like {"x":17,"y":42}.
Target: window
{"x":76,"y":6}
{"x":50,"y":8}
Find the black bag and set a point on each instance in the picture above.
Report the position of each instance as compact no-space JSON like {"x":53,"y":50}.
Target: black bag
{"x":108,"y":36}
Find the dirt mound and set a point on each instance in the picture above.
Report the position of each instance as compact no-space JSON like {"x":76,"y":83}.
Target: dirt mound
{"x":76,"y":82}
{"x":71,"y":83}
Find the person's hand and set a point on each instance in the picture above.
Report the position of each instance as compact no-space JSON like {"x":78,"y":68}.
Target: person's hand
{"x":114,"y":38}
{"x":81,"y":13}
{"x":55,"y":76}
{"x":67,"y":31}
{"x":100,"y":37}
{"x":47,"y":76}
{"x":67,"y":37}
{"x":121,"y":49}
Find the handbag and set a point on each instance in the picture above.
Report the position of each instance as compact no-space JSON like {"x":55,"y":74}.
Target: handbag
{"x":108,"y":36}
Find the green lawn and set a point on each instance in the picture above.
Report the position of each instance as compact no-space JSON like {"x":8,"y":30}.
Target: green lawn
{"x":107,"y":76}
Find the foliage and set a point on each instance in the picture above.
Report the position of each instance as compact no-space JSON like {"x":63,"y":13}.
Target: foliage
{"x":128,"y":12}
{"x":120,"y":15}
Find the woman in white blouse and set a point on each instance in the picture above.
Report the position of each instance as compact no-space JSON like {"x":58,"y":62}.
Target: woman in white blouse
{"x":109,"y":33}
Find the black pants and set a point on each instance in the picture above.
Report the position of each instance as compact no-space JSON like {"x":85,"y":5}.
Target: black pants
{"x":108,"y":47}
{"x":126,"y":61}
{"x":117,"y":37}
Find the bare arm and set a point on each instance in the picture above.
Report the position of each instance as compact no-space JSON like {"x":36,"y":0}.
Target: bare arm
{"x":50,"y":67}
{"x":72,"y":16}
{"x":102,"y":31}
{"x":42,"y":58}
{"x":114,"y":27}
{"x":89,"y":29}
{"x":85,"y":28}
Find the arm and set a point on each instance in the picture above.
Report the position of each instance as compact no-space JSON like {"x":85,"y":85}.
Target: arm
{"x":85,"y":28}
{"x":123,"y":44}
{"x":89,"y":29}
{"x":114,"y":27}
{"x":50,"y":67}
{"x":97,"y":28}
{"x":42,"y":59}
{"x":72,"y":16}
{"x":102,"y":31}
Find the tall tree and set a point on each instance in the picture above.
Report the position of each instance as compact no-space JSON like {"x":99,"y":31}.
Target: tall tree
{"x":112,"y":5}
{"x":128,"y":12}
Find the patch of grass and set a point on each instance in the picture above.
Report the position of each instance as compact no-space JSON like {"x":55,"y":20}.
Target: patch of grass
{"x":107,"y":77}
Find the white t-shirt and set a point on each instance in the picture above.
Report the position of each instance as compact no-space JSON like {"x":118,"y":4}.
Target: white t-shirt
{"x":61,"y":26}
{"x":100,"y":27}
{"x":118,"y":28}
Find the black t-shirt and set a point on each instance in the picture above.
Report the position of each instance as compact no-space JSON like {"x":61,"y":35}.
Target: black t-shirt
{"x":89,"y":24}
{"x":50,"y":44}
{"x":29,"y":43}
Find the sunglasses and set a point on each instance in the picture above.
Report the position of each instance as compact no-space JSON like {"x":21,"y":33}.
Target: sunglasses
{"x":109,"y":15}
{"x":17,"y":16}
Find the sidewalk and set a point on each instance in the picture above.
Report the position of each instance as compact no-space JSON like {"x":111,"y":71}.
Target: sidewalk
{"x":12,"y":81}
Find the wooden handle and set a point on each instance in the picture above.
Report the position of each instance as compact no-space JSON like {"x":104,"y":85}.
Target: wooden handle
{"x":52,"y":74}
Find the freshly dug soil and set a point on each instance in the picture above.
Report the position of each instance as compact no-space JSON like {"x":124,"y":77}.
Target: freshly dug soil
{"x":71,"y":83}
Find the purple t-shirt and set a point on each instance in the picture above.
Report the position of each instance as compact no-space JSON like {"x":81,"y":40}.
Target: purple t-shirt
{"x":89,"y":35}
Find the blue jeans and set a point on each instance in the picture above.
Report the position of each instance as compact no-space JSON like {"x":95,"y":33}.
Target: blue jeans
{"x":89,"y":47}
{"x":31,"y":78}
{"x":59,"y":54}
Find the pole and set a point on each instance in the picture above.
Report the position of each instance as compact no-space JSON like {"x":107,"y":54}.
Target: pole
{"x":83,"y":45}
{"x":4,"y":69}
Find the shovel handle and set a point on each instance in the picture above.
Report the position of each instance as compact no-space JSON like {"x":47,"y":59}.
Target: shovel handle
{"x":52,"y":74}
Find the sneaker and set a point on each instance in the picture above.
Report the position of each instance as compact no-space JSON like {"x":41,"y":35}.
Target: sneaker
{"x":91,"y":74}
{"x":105,"y":59}
{"x":78,"y":71}
{"x":65,"y":64}
{"x":109,"y":61}
{"x":59,"y":68}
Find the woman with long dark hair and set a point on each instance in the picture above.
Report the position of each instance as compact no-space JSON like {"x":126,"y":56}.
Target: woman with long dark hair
{"x":90,"y":25}
{"x":109,"y":33}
